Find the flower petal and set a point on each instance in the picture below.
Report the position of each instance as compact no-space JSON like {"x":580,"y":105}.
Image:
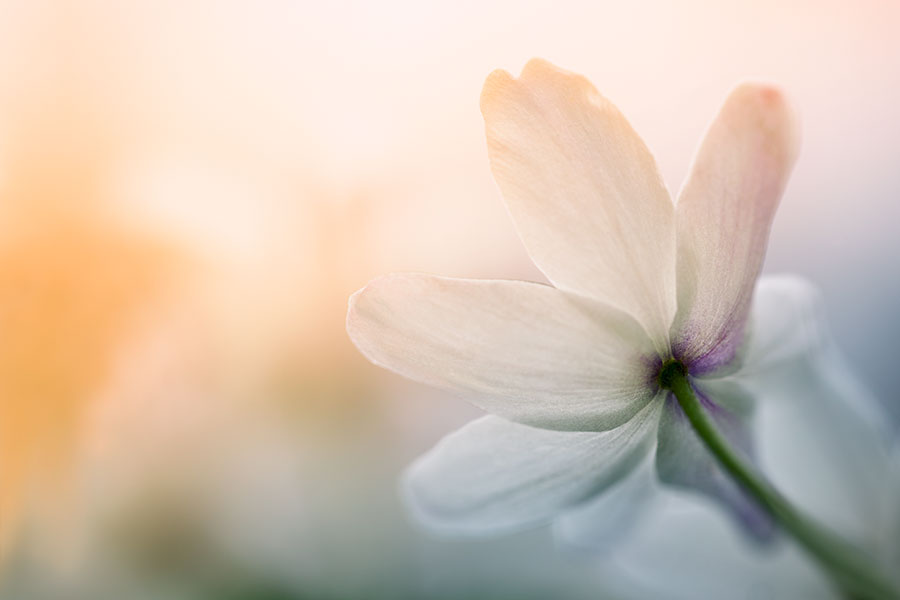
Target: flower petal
{"x":789,"y":338}
{"x":788,"y":330}
{"x":584,"y":191}
{"x":822,"y":443}
{"x":525,"y":351}
{"x":723,"y":217}
{"x":787,"y":323}
{"x":822,"y":436}
{"x":496,"y":476}
{"x":682,"y":460}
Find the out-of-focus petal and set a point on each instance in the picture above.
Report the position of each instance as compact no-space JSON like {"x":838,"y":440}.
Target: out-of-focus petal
{"x":822,"y":438}
{"x":601,"y":524}
{"x":496,"y":476}
{"x":819,"y":445}
{"x":787,"y":323}
{"x":584,"y":191}
{"x":723,"y":217}
{"x":685,"y":548}
{"x":683,"y":460}
{"x":525,"y":351}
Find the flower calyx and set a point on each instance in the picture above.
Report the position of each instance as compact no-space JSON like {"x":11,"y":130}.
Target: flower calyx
{"x":671,"y":370}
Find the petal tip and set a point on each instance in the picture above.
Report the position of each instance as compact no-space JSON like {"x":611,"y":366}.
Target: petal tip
{"x":537,"y":73}
{"x":536,"y":67}
{"x":769,"y":108}
{"x":356,"y":305}
{"x":494,"y":87}
{"x":541,"y":72}
{"x":766,"y":93}
{"x":352,"y":323}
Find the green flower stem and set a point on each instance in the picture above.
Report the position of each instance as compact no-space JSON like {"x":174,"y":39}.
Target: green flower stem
{"x":850,"y":569}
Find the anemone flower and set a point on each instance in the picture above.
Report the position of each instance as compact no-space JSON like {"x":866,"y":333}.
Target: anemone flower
{"x":632,"y":348}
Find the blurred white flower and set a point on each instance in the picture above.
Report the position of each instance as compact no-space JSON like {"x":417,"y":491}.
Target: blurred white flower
{"x":570,"y":371}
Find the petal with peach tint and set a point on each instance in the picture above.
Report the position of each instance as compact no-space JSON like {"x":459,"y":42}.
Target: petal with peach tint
{"x":723,"y":217}
{"x":584,"y":191}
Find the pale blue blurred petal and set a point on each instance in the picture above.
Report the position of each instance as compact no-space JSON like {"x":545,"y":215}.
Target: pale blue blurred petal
{"x":820,"y":450}
{"x":787,"y":322}
{"x":496,"y":476}
{"x":821,"y":436}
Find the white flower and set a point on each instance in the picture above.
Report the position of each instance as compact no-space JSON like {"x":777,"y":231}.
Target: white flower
{"x":569,"y":372}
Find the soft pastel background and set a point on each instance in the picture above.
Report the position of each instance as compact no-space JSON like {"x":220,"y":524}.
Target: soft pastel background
{"x":190,"y":191}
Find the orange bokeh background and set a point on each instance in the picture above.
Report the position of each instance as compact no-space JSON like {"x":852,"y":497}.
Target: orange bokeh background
{"x":189,"y":192}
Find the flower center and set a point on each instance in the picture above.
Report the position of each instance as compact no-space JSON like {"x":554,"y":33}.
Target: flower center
{"x":669,"y":370}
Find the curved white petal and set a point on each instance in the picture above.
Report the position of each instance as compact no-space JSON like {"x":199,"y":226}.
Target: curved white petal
{"x":723,"y":217}
{"x":525,"y":351}
{"x":584,"y":191}
{"x":496,"y":476}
